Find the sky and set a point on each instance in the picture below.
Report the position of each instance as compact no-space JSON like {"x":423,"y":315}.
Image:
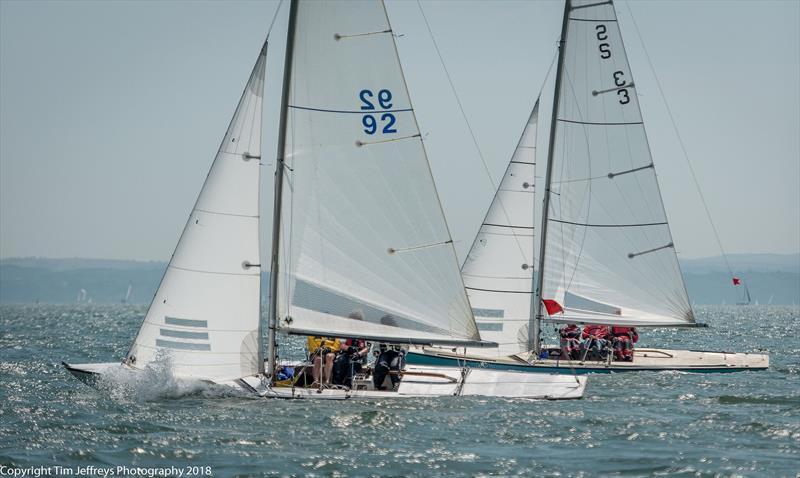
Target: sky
{"x":111,"y":112}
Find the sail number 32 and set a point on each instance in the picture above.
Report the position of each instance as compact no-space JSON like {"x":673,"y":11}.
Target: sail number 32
{"x":381,"y":119}
{"x":605,"y":53}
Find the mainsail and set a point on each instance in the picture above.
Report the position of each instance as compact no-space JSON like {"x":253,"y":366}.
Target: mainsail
{"x":498,"y":271}
{"x":609,"y":257}
{"x":204,"y":318}
{"x":365,"y":250}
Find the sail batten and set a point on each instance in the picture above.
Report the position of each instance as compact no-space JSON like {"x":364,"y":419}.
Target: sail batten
{"x":609,"y":245}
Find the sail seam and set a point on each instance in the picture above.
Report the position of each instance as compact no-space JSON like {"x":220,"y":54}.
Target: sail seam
{"x":523,"y":162}
{"x":226,"y":213}
{"x":495,"y":277}
{"x":500,"y":291}
{"x":592,"y":20}
{"x":507,"y":225}
{"x":607,"y":2}
{"x":643,"y":224}
{"x":358,"y":112}
{"x":214,"y":272}
{"x":505,"y":235}
{"x":600,"y":123}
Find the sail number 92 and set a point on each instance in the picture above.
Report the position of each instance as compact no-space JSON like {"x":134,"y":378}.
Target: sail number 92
{"x":605,"y":53}
{"x":382,"y":119}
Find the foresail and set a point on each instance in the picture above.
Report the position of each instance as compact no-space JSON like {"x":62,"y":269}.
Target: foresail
{"x":498,"y":271}
{"x":365,"y":248}
{"x":204,"y":319}
{"x":609,"y":254}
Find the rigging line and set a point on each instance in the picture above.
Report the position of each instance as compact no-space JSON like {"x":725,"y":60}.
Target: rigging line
{"x":274,"y":17}
{"x":680,"y":140}
{"x":469,"y":126}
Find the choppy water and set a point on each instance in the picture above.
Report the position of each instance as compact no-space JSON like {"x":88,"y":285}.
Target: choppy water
{"x":644,"y":424}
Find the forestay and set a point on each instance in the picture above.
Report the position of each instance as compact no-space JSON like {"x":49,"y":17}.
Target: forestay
{"x":204,"y":319}
{"x":365,"y":248}
{"x":498,"y":271}
{"x":609,"y":254}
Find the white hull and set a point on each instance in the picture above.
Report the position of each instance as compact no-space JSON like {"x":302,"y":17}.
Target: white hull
{"x":418,"y":381}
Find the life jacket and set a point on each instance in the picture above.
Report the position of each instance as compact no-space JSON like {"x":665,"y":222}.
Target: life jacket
{"x":600,"y":331}
{"x":625,"y":332}
{"x":570,"y":331}
{"x":358,"y":343}
{"x":316,"y":343}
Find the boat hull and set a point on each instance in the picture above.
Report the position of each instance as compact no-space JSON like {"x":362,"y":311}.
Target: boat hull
{"x":418,"y":381}
{"x":644,"y":360}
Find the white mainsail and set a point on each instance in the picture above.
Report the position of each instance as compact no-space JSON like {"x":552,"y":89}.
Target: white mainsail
{"x":365,"y":250}
{"x":204,"y":317}
{"x":498,"y":271}
{"x":609,"y":257}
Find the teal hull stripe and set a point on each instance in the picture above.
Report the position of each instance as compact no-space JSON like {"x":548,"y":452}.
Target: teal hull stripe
{"x":562,"y":369}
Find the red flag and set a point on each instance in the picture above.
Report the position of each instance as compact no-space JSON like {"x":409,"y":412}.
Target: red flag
{"x":736,"y":281}
{"x":552,"y":306}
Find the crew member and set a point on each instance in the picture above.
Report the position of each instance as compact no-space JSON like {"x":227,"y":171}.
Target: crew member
{"x":322,"y":351}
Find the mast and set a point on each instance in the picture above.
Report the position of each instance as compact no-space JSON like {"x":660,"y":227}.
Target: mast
{"x":276,"y":211}
{"x":535,"y":324}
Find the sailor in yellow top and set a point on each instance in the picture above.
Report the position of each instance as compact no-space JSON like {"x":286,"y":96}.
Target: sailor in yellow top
{"x":323,"y":349}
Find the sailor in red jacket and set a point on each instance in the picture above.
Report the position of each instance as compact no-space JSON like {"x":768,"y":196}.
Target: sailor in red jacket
{"x":624,"y":338}
{"x":595,"y":339}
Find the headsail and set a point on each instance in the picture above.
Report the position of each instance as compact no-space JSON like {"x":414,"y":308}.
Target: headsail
{"x":365,"y":248}
{"x":205,"y":314}
{"x":498,"y":271}
{"x":609,"y":254}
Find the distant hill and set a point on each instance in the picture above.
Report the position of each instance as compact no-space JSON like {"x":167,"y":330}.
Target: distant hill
{"x":772,"y":278}
{"x":744,"y":262}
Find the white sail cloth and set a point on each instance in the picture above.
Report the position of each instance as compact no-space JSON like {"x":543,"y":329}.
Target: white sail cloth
{"x":609,"y":254}
{"x":204,"y":319}
{"x":365,"y":248}
{"x":498,"y":271}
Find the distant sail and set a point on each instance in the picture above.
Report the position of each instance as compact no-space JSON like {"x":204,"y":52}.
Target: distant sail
{"x":205,"y":314}
{"x":609,"y":254}
{"x":367,"y":251}
{"x":498,"y":271}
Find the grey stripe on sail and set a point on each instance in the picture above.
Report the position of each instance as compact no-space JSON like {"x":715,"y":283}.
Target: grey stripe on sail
{"x":313,"y":297}
{"x":185,"y":322}
{"x":495,"y":313}
{"x":182,"y":334}
{"x":182,"y":345}
{"x":490,"y":326}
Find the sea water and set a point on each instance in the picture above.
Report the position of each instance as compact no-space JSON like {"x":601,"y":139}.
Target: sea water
{"x":632,"y":424}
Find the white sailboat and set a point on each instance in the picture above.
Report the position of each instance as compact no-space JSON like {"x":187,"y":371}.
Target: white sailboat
{"x":360,"y":247}
{"x":607,"y":253}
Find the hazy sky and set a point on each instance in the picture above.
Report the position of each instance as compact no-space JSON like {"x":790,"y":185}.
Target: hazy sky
{"x":111,"y":112}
